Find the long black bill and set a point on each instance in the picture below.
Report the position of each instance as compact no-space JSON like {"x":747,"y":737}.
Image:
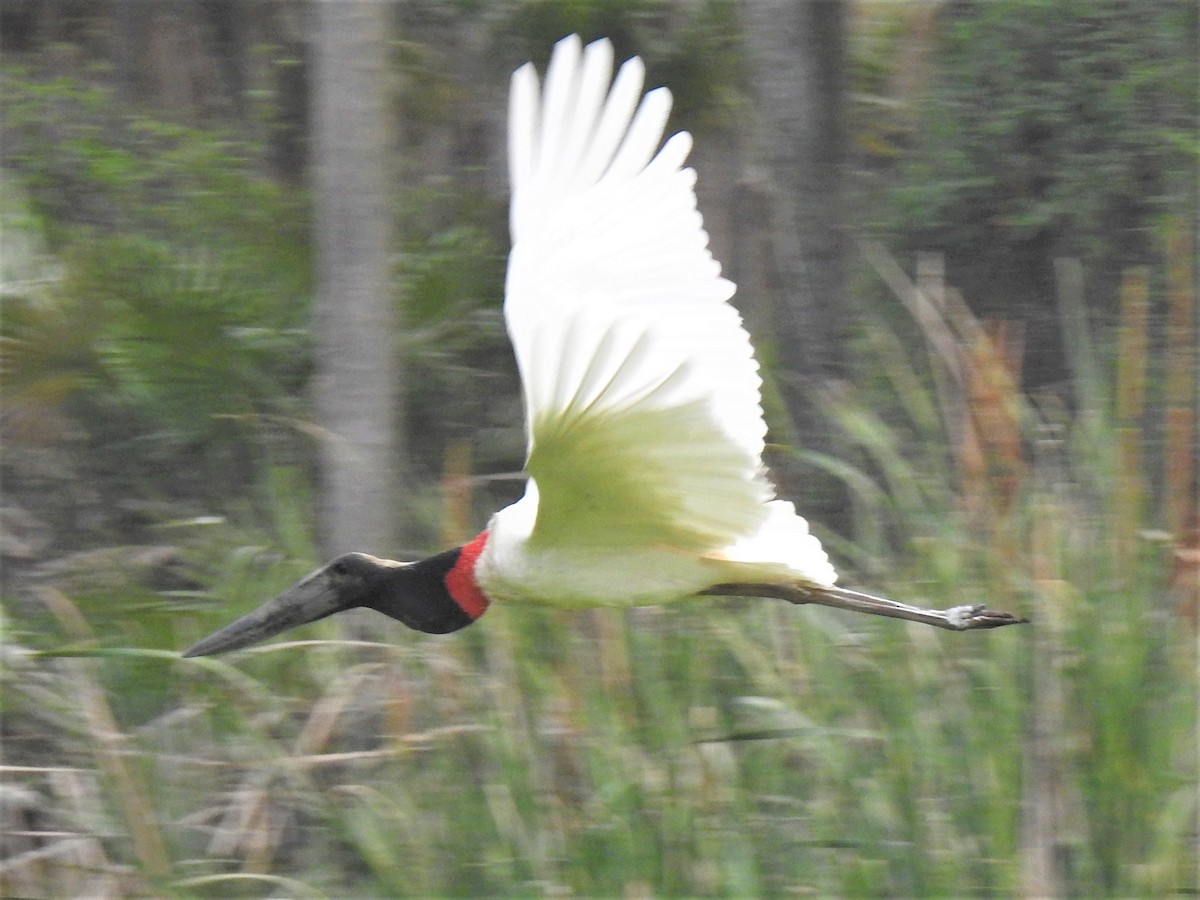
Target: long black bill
{"x":313,"y":598}
{"x":956,"y":618}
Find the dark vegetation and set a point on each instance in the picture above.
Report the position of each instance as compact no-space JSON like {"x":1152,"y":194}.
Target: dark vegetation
{"x":1051,"y":130}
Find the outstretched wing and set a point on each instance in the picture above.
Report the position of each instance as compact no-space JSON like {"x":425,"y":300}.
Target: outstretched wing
{"x":641,"y":388}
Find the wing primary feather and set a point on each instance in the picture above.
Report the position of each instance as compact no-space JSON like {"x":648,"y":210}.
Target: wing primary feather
{"x":592,"y":85}
{"x":672,"y":156}
{"x":563,"y":380}
{"x":643,"y":136}
{"x":595,"y":381}
{"x":558,"y":110}
{"x":523,"y":126}
{"x":601,"y":390}
{"x":614,"y":120}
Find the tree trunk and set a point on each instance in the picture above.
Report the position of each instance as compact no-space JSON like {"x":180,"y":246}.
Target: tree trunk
{"x":797,"y":49}
{"x":798,"y":266}
{"x":357,"y":384}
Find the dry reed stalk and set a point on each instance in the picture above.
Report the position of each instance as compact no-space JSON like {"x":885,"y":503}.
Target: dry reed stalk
{"x":456,"y":494}
{"x":109,"y":742}
{"x":36,"y":861}
{"x":1132,"y":352}
{"x":982,"y":406}
{"x":949,"y":328}
{"x":1086,"y":379}
{"x":992,"y":464}
{"x":1181,"y":477}
{"x":1052,"y":819}
{"x":250,"y":824}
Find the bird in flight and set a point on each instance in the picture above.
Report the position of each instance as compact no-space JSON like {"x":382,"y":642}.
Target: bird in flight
{"x":642,"y":409}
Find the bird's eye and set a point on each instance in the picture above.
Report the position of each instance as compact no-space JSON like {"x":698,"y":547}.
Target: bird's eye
{"x":340,"y":568}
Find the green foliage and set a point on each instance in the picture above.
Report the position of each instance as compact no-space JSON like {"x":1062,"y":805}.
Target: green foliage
{"x":85,"y":161}
{"x":541,"y":23}
{"x":174,"y":306}
{"x":1029,"y":501}
{"x":454,"y":344}
{"x":150,"y":357}
{"x":1050,"y":129}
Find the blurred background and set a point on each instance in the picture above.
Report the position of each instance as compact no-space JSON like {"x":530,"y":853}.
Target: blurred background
{"x":251,"y":275}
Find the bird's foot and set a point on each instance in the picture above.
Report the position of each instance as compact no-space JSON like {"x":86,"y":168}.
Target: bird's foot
{"x":964,"y":618}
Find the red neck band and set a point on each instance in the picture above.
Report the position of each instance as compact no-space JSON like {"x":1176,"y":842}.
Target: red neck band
{"x":460,"y":580}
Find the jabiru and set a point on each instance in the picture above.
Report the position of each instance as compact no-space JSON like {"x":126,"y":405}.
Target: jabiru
{"x":642,"y":411}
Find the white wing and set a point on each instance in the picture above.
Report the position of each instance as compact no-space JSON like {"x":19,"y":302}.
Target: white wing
{"x":641,"y":388}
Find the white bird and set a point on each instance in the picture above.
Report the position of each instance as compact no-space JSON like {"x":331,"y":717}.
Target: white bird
{"x":642,"y":411}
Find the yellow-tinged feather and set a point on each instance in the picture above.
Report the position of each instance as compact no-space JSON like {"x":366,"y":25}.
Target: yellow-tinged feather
{"x":623,"y":478}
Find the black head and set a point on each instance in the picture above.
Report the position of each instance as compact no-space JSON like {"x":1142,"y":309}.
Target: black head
{"x":418,"y":595}
{"x":415,"y":593}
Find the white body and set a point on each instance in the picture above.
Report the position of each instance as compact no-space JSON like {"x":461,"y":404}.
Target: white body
{"x":641,"y":389}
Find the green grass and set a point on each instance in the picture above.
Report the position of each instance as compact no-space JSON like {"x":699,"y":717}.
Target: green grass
{"x":720,"y":748}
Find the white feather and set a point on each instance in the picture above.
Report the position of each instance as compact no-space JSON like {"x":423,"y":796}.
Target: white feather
{"x":641,"y":388}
